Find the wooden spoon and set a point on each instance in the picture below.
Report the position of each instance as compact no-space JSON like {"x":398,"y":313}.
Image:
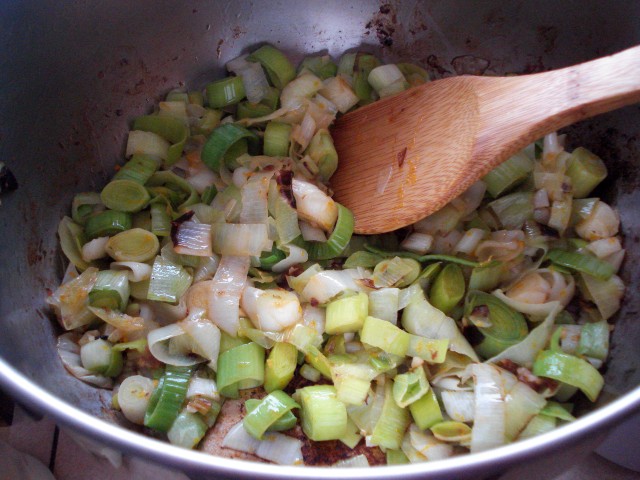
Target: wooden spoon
{"x":405,"y":157}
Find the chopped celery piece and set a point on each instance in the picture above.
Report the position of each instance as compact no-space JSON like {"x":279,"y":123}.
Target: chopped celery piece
{"x":347,"y":314}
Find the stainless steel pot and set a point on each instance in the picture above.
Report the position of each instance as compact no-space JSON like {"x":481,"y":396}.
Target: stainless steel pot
{"x":75,"y":73}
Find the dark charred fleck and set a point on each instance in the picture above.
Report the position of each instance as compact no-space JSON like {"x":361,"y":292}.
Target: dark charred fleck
{"x":384,"y":9}
{"x":401,"y":156}
{"x":314,"y":302}
{"x":8,"y":181}
{"x":508,"y":365}
{"x":119,"y":112}
{"x":295,"y":270}
{"x":469,"y":65}
{"x":547,"y":231}
{"x":284,"y":179}
{"x":175,"y":225}
{"x":367,"y":282}
{"x":100,"y":74}
{"x":436,"y":65}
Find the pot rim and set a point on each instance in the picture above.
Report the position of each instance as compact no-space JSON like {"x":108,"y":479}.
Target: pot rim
{"x":35,"y":397}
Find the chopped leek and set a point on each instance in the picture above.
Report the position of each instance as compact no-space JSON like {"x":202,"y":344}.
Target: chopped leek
{"x":324,"y":417}
{"x":570,"y":370}
{"x":582,"y":262}
{"x":448,"y":288}
{"x":278,"y":67}
{"x":385,"y":336}
{"x":107,"y":223}
{"x":347,"y":314}
{"x":166,"y":400}
{"x":280,"y":366}
{"x":271,"y":409}
{"x":227,"y":91}
{"x":239,"y":368}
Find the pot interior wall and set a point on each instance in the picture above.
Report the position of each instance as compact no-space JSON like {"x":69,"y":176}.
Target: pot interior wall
{"x":74,"y":74}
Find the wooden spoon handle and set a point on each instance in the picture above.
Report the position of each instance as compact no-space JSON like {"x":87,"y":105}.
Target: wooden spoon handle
{"x":515,"y":111}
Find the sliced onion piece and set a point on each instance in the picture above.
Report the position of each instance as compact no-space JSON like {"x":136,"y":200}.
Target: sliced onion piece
{"x":303,"y":133}
{"x":228,"y":283}
{"x":298,"y":90}
{"x":536,"y":311}
{"x":603,"y":222}
{"x":340,"y":93}
{"x":522,"y":404}
{"x":606,"y":294}
{"x":428,"y":446}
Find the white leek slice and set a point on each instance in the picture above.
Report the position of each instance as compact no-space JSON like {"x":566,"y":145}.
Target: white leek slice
{"x":133,"y":397}
{"x":147,"y":143}
{"x":340,"y":93}
{"x":384,"y":304}
{"x":277,"y":310}
{"x":537,"y":311}
{"x":314,"y":317}
{"x":275,"y":447}
{"x":459,"y":405}
{"x":69,"y":353}
{"x":159,"y":341}
{"x":241,"y":239}
{"x":325,"y":285}
{"x":314,"y":206}
{"x":311,"y":233}
{"x":601,"y":248}
{"x":136,"y":271}
{"x":203,"y":387}
{"x":606,"y":294}
{"x":359,"y":461}
{"x":95,"y":249}
{"x":524,"y":352}
{"x":295,"y":92}
{"x":204,"y":336}
{"x":522,"y":404}
{"x":417,"y":242}
{"x":193,"y":238}
{"x":489,"y":425}
{"x":295,"y":256}
{"x":254,"y":198}
{"x":71,"y":299}
{"x":425,"y":445}
{"x":603,"y":222}
{"x":228,"y":283}
{"x":421,"y":318}
{"x":119,"y":320}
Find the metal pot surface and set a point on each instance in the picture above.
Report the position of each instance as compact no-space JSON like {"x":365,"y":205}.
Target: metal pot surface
{"x":75,"y":73}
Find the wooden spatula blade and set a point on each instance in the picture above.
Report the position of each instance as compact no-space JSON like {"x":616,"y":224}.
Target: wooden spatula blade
{"x":385,"y":159}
